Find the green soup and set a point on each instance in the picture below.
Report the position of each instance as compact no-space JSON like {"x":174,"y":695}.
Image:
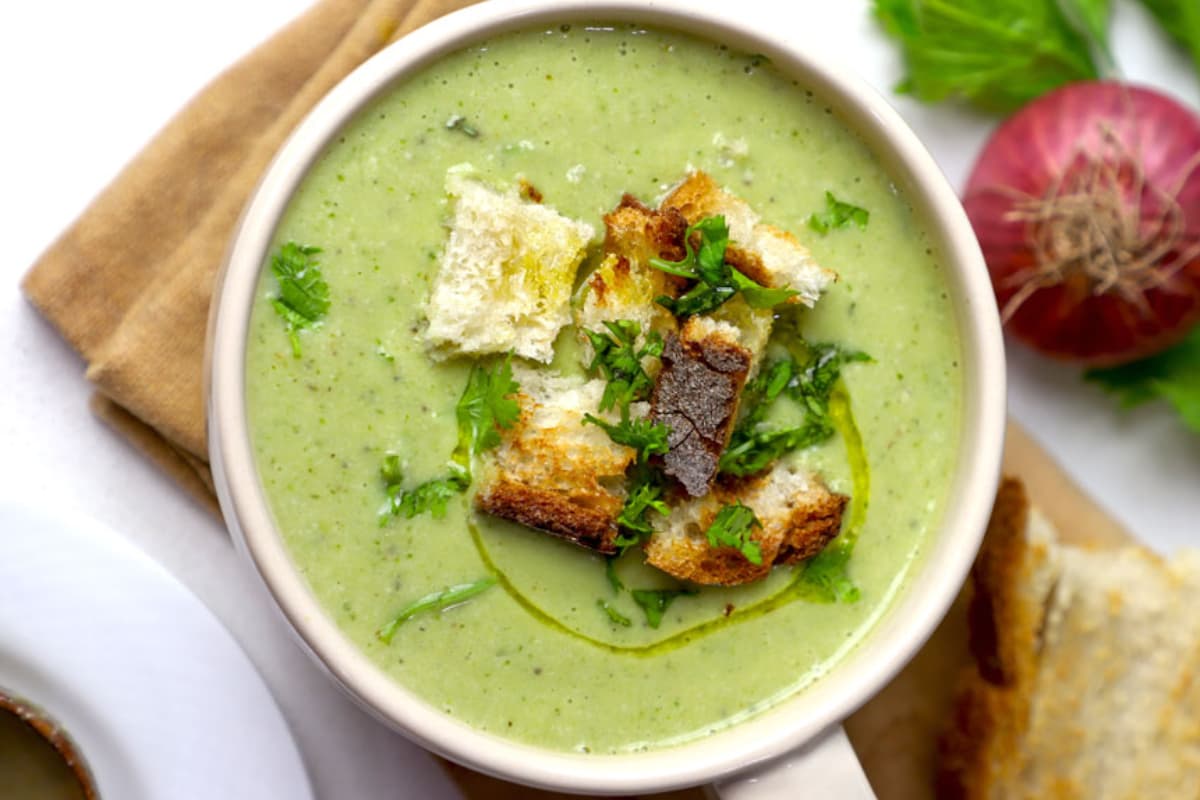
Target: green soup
{"x":586,"y":113}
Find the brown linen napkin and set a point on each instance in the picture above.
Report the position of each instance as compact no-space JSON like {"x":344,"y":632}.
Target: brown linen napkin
{"x":130,"y":282}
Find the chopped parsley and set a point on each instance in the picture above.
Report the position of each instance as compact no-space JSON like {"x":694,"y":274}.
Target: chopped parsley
{"x":303,"y":298}
{"x":1172,"y":375}
{"x":733,"y":527}
{"x":643,"y":435}
{"x":619,"y":360}
{"x":645,"y":495}
{"x":825,"y":578}
{"x":808,"y":381}
{"x":435,"y":601}
{"x":610,"y":572}
{"x":614,"y":615}
{"x":716,"y":280}
{"x":654,"y":602}
{"x":838,"y":214}
{"x":485,"y":407}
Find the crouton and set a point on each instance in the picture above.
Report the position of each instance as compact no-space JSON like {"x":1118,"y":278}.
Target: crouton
{"x":624,"y":285}
{"x":505,"y":275}
{"x":799,"y":516}
{"x":696,"y":395}
{"x":1084,"y":676}
{"x":554,"y":473}
{"x":766,"y":254}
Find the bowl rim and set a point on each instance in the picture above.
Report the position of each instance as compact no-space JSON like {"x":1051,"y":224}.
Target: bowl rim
{"x":906,"y":622}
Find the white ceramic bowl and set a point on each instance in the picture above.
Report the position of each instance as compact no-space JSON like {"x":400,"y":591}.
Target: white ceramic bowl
{"x":801,"y":724}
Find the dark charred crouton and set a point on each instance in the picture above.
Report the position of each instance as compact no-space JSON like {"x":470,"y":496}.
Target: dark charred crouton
{"x":696,"y":396}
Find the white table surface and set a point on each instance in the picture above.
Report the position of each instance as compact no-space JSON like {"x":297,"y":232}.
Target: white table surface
{"x":86,"y":84}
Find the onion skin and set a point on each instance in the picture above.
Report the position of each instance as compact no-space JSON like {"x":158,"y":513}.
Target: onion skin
{"x":1072,"y":315}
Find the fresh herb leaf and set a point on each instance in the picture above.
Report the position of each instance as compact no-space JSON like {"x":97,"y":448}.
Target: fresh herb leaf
{"x":645,"y":496}
{"x":485,"y":408}
{"x":997,"y":55}
{"x":655,"y":602}
{"x":732,"y":527}
{"x":436,"y":601}
{"x":808,"y":378}
{"x":610,"y":572}
{"x":1181,"y":20}
{"x":838,"y":214}
{"x":619,"y":360}
{"x":1173,"y":375}
{"x":614,"y":615}
{"x":826,"y":578}
{"x":643,"y":435}
{"x":303,"y":298}
{"x":717,"y":281}
{"x":458,"y":122}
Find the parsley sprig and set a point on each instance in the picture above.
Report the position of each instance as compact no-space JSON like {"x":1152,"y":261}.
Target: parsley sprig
{"x":485,"y":408}
{"x":434,"y":601}
{"x":807,"y":380}
{"x":619,"y":359}
{"x":733,"y":527}
{"x":838,"y":214}
{"x":303,"y":298}
{"x":716,"y":280}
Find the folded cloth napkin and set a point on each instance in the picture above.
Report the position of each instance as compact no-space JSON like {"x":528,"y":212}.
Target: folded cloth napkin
{"x":129,"y":284}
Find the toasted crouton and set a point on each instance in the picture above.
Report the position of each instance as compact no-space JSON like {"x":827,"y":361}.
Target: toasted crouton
{"x":799,"y":516}
{"x":1084,"y":682}
{"x":506,"y":273}
{"x":696,"y":395}
{"x":553,"y":472}
{"x":764,"y":253}
{"x":624,"y":285}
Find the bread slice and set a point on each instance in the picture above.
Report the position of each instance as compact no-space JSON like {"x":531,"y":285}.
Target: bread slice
{"x":696,"y":395}
{"x":551,"y":471}
{"x":505,"y":276}
{"x":1084,"y":679}
{"x":799,"y":517}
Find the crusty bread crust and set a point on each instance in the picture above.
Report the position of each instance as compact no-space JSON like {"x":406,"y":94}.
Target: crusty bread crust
{"x":552,"y":512}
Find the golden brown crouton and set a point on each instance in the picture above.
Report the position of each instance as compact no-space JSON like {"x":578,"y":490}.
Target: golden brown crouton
{"x":799,"y":516}
{"x":554,"y":473}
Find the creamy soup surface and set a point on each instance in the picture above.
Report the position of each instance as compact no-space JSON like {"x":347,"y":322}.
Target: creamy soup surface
{"x":585,"y":114}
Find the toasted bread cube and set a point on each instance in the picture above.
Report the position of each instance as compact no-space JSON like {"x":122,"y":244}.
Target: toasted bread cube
{"x":505,"y":277}
{"x":554,"y":473}
{"x":799,"y":517}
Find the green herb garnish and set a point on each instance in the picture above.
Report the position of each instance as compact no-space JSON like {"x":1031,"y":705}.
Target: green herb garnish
{"x":643,"y":435}
{"x":716,"y":280}
{"x":809,"y":381}
{"x":436,"y":601}
{"x":838,"y":214}
{"x":645,"y":495}
{"x":998,"y":55}
{"x":614,"y":615}
{"x":484,"y":409}
{"x":303,"y":297}
{"x":732,"y":528}
{"x":619,"y":360}
{"x":654,"y":602}
{"x":1173,"y":375}
{"x":610,"y":572}
{"x":825,"y":577}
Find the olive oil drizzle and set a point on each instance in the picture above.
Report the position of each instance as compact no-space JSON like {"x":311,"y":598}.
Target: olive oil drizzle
{"x":860,"y":474}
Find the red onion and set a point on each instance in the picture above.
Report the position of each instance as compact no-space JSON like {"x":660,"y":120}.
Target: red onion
{"x":1086,"y":203}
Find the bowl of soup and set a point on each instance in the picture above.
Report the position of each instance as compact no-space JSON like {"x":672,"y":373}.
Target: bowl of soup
{"x":605,"y":621}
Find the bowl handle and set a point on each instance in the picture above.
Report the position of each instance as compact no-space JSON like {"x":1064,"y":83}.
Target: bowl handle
{"x":825,"y":767}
